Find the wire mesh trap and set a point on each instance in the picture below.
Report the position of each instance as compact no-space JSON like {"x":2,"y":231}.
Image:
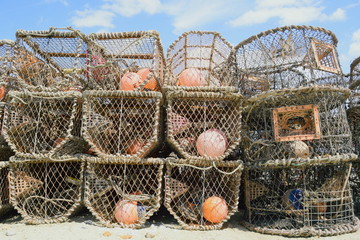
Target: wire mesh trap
{"x":5,"y":150}
{"x":297,"y":198}
{"x":38,"y":124}
{"x":6,"y":55}
{"x":203,"y":125}
{"x":304,"y":123}
{"x":46,"y":191}
{"x":355,"y":73}
{"x":123,"y":192}
{"x":122,"y":123}
{"x":202,"y":195}
{"x":50,"y":60}
{"x":125,"y":61}
{"x":199,"y":59}
{"x":4,"y":188}
{"x":287,"y":57}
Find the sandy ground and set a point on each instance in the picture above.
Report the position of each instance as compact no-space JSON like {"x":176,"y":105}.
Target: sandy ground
{"x":162,"y":225}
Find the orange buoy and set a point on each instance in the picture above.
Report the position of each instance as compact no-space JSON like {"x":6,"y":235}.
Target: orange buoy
{"x":2,"y":92}
{"x":130,"y":81}
{"x":211,"y":143}
{"x":191,"y":77}
{"x":126,"y":212}
{"x":152,"y":83}
{"x":135,"y":146}
{"x":320,"y":207}
{"x":215,"y":209}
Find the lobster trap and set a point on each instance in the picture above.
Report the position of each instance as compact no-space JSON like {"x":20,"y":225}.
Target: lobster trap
{"x":46,"y":191}
{"x":50,"y":60}
{"x":39,"y":124}
{"x":122,"y":123}
{"x":199,"y":59}
{"x":308,"y":122}
{"x":123,"y":192}
{"x":300,"y":198}
{"x":6,"y":55}
{"x":203,"y":125}
{"x":4,"y":188}
{"x":112,"y":55}
{"x":287,"y":57}
{"x":202,"y":195}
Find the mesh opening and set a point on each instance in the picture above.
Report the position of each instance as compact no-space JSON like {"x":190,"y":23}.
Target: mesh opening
{"x":111,"y":56}
{"x":202,"y":57}
{"x":119,"y":123}
{"x":202,"y":195}
{"x":287,"y":57}
{"x":45,"y":191}
{"x":4,"y":186}
{"x":308,"y":200}
{"x":123,"y":193}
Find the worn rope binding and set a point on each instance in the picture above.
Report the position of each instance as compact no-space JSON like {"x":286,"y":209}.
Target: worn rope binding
{"x":202,"y":195}
{"x":44,"y":190}
{"x":123,"y":192}
{"x":300,"y":200}
{"x":112,"y":56}
{"x":122,"y":124}
{"x":287,"y":57}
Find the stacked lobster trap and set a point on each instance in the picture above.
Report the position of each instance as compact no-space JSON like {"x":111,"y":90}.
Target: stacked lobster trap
{"x":42,"y":124}
{"x":122,"y":122}
{"x":296,"y":140}
{"x":203,"y":127}
{"x":353,"y":114}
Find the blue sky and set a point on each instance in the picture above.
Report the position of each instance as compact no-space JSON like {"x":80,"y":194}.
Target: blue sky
{"x":235,"y":20}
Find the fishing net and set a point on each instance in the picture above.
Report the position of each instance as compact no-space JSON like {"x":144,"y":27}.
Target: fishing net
{"x":202,"y":195}
{"x":307,"y":122}
{"x":50,"y":60}
{"x":6,"y":55}
{"x":123,"y":192}
{"x":122,"y":123}
{"x":46,"y":191}
{"x":198,"y":59}
{"x":5,"y":205}
{"x":300,"y":197}
{"x":40,"y":124}
{"x":203,"y":124}
{"x":287,"y":57}
{"x":112,"y":56}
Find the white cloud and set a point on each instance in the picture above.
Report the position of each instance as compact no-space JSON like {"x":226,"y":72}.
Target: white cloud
{"x":354,"y":49}
{"x":287,"y":12}
{"x":130,"y":8}
{"x":64,"y":2}
{"x":93,"y":18}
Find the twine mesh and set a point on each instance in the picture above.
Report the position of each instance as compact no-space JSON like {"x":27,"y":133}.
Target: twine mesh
{"x":45,"y":191}
{"x":202,"y":195}
{"x":6,"y":55}
{"x":292,"y":199}
{"x":287,"y":57}
{"x":301,"y":123}
{"x":121,"y":123}
{"x":121,"y":192}
{"x":4,"y":188}
{"x":207,"y":53}
{"x":197,"y":122}
{"x":39,"y":124}
{"x":111,"y":55}
{"x":50,"y":60}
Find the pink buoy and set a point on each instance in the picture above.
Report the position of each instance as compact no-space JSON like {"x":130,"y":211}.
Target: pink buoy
{"x":211,"y":143}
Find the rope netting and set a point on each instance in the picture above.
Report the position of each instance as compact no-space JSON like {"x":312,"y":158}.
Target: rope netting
{"x":292,"y":199}
{"x":202,"y":195}
{"x":6,"y":55}
{"x":50,"y":60}
{"x":199,"y":59}
{"x":203,"y":125}
{"x":4,"y":187}
{"x":41,"y":124}
{"x":306,"y":123}
{"x":46,"y":191}
{"x":123,"y":192}
{"x":122,"y":123}
{"x":287,"y":57}
{"x":125,"y":61}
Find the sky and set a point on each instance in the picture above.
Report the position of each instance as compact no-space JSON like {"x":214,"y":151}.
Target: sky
{"x":235,"y":20}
